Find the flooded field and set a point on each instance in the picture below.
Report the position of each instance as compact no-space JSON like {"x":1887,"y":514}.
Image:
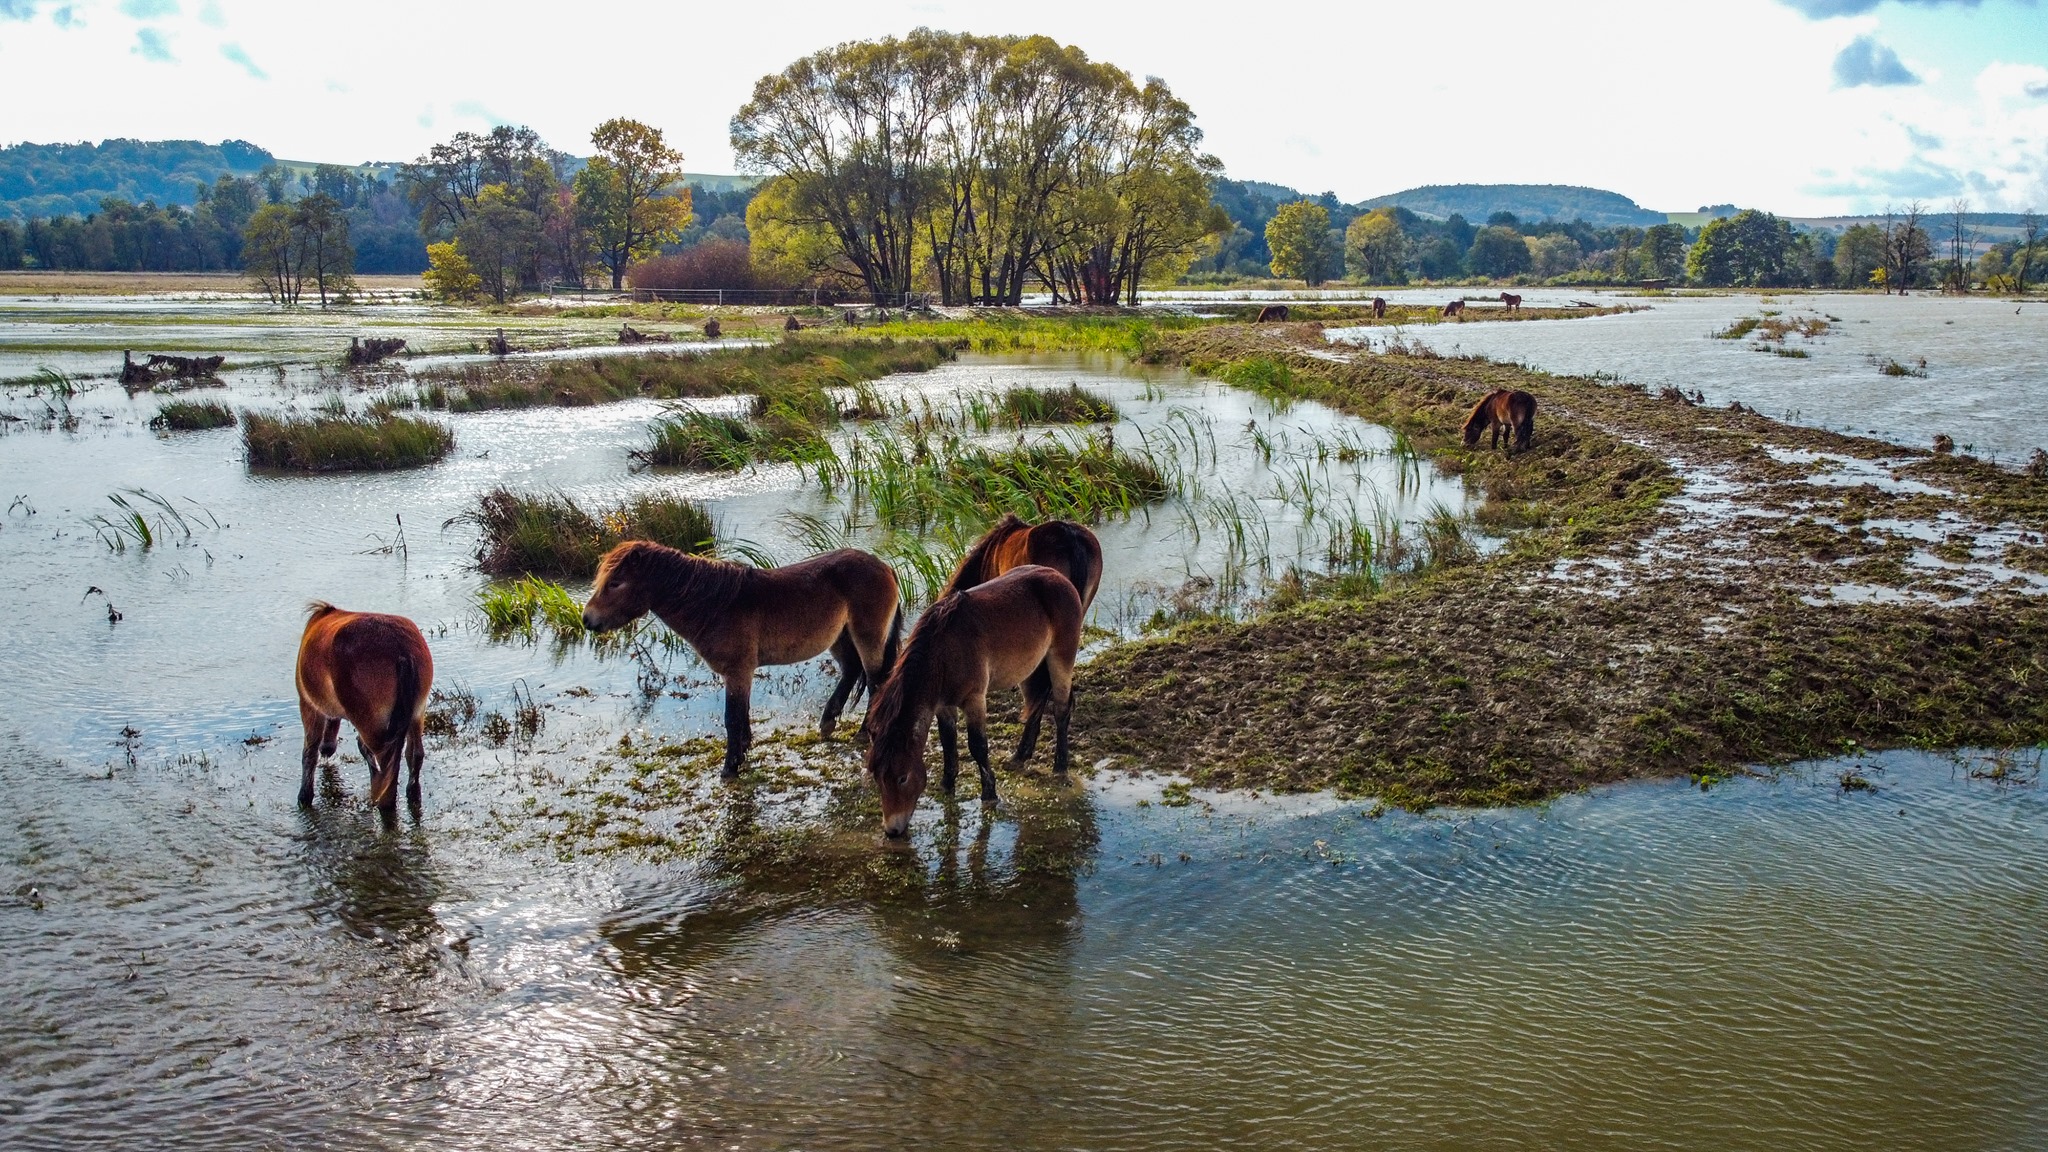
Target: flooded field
{"x":1841,"y":954}
{"x":1981,"y":357}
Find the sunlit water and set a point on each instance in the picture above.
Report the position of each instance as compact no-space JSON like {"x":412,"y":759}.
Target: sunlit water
{"x":1987,"y":359}
{"x":195,"y":962}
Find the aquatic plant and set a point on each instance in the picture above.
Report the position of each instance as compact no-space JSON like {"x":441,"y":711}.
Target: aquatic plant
{"x":146,"y":520}
{"x":192,"y":415}
{"x":524,"y":604}
{"x":706,"y":441}
{"x":917,"y":483}
{"x":549,"y":534}
{"x":1070,"y":405}
{"x":1739,"y":329}
{"x":340,"y":443}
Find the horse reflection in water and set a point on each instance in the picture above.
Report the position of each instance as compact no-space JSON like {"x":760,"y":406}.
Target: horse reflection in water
{"x":378,"y":884}
{"x":833,"y":979}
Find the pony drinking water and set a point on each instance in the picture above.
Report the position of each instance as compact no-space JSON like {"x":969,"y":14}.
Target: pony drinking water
{"x":740,"y":618}
{"x":376,"y":672}
{"x":1024,"y":627}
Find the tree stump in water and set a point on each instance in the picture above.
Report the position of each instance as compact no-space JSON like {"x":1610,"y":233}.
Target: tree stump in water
{"x":497,"y":345}
{"x":361,"y":352}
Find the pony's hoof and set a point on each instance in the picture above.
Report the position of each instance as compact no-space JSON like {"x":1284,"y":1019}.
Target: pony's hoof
{"x":306,"y":799}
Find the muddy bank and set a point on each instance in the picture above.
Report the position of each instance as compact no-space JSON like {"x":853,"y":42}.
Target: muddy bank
{"x":1688,"y":591}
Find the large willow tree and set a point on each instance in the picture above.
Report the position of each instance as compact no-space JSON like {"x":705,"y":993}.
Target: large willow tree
{"x":974,"y":164}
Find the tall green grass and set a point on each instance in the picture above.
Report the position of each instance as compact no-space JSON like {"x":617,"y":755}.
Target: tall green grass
{"x":549,"y":534}
{"x":919,"y":483}
{"x":338,"y":443}
{"x":192,"y":415}
{"x":705,"y":441}
{"x":1070,"y":405}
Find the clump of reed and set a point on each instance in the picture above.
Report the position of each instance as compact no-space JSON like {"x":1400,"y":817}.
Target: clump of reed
{"x":1890,"y":367}
{"x":705,"y":441}
{"x":1740,"y":329}
{"x":192,"y":415}
{"x":524,"y":605}
{"x":1070,"y":405}
{"x":912,"y":482}
{"x":549,"y":534}
{"x":334,"y":442}
{"x":792,"y":364}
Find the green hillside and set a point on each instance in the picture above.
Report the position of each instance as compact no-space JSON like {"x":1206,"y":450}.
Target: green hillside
{"x":72,"y":179}
{"x":1528,"y":202}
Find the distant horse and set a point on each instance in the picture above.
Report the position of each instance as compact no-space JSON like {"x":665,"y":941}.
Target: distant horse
{"x":1454,"y":308}
{"x":740,"y":618}
{"x":1062,"y":545}
{"x":1023,"y":627}
{"x":376,"y":672}
{"x":1505,"y":413}
{"x":1510,"y":302}
{"x":1271,"y":312}
{"x":1379,"y":308}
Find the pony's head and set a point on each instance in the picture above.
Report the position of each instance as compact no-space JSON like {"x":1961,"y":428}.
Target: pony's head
{"x":625,"y":586}
{"x":899,"y":721}
{"x":1475,"y":424}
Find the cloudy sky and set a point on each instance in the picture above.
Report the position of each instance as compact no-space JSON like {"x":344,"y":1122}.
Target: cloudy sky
{"x":1799,"y":106}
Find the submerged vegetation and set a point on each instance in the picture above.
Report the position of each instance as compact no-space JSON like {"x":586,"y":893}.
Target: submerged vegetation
{"x":549,"y":534}
{"x":343,"y":443}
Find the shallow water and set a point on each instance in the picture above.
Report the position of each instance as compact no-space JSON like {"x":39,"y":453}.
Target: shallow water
{"x":1984,"y":357}
{"x":1769,"y":965}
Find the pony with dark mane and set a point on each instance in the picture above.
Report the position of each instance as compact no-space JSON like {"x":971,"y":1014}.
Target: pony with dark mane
{"x":375,"y":671}
{"x":1023,"y":627}
{"x":1454,"y":308}
{"x":740,"y":618}
{"x":1379,"y":307}
{"x":1508,"y":414}
{"x":1509,"y":302}
{"x":1061,"y":545}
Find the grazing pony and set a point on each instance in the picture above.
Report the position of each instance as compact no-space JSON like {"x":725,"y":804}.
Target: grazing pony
{"x":374,"y":671}
{"x":1379,"y":307}
{"x":1023,"y":627}
{"x":1504,"y":412}
{"x":1510,"y":302}
{"x":740,"y":618}
{"x":1454,"y":308}
{"x":1271,"y":312}
{"x":1061,"y":545}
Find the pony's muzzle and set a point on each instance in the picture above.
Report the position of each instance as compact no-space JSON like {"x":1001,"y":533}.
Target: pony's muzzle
{"x":896,"y":827}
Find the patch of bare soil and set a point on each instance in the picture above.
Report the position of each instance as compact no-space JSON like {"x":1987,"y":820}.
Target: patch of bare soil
{"x":1686,"y":591}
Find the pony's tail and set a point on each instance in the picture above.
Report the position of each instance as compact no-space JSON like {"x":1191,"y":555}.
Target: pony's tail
{"x":895,"y":644}
{"x":315,"y":609}
{"x":1082,"y":554}
{"x":404,"y":697}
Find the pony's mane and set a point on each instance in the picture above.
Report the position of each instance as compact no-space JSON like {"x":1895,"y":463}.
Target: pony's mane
{"x":889,"y":718}
{"x":690,"y":584}
{"x":973,"y":567}
{"x":1478,"y":417}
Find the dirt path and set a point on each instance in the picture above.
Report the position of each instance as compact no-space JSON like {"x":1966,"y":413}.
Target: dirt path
{"x":1686,"y":590}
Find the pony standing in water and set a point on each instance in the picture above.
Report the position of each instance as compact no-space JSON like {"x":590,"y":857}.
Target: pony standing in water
{"x":740,"y":618}
{"x":1061,"y":545}
{"x":1505,"y":413}
{"x":1024,"y":627}
{"x":374,"y":671}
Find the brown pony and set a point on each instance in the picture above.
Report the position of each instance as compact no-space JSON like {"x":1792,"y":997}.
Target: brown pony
{"x":1023,"y":627}
{"x":740,"y":618}
{"x":1504,"y":412}
{"x":1061,"y":545}
{"x":1454,"y":308}
{"x":374,"y":671}
{"x":1510,"y":302}
{"x":1379,"y":308}
{"x":1271,"y":313}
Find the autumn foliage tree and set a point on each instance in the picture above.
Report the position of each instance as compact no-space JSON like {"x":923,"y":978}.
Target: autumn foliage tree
{"x":627,"y":196}
{"x":1299,"y":235}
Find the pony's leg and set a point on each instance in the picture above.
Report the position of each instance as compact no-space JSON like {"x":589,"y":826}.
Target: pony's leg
{"x":330,"y":739}
{"x":849,"y":675}
{"x":1062,"y":691}
{"x":316,"y":740}
{"x":739,"y":725}
{"x":977,"y":746}
{"x":1037,"y":688}
{"x":386,"y":765}
{"x":949,"y":748}
{"x":415,"y":756}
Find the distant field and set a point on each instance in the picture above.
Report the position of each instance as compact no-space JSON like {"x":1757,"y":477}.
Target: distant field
{"x":142,"y":283}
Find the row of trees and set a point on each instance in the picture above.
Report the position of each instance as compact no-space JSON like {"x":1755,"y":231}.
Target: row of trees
{"x":979,"y":165}
{"x":1391,"y":245}
{"x":504,"y":212}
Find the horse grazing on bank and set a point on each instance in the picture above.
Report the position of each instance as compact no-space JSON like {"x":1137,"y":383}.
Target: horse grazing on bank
{"x":1270,"y":313}
{"x":1061,"y":545}
{"x":1510,"y":302}
{"x":1379,"y":308}
{"x":740,"y":618}
{"x":375,"y":671}
{"x":1454,"y":308}
{"x":1023,"y":627}
{"x":1505,"y":413}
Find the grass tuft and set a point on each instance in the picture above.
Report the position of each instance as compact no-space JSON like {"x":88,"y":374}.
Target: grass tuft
{"x":549,"y":534}
{"x":192,"y":415}
{"x":337,"y":443}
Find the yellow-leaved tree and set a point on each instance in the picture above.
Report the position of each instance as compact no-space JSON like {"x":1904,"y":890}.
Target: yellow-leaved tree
{"x":627,"y":196}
